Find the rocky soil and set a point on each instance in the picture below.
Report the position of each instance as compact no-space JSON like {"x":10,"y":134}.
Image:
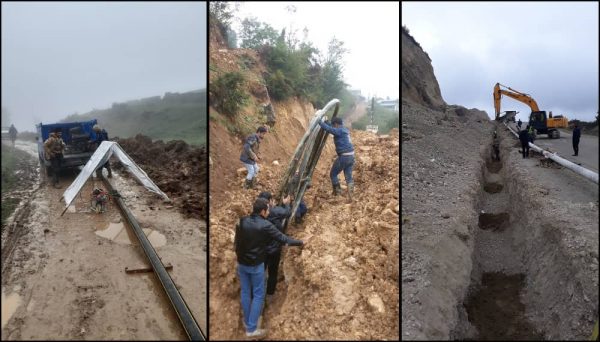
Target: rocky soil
{"x":176,"y":167}
{"x":490,"y":249}
{"x":346,"y":275}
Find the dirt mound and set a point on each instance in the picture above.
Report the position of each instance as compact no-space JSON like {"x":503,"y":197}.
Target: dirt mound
{"x":418,"y":80}
{"x":345,"y":276}
{"x":177,"y":168}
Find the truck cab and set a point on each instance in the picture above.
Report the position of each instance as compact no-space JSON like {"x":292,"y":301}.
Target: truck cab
{"x":76,"y":136}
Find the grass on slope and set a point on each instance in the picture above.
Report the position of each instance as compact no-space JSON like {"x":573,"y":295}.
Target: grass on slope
{"x":177,"y":117}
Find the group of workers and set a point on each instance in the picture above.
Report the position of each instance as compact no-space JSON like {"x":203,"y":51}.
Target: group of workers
{"x":54,"y":148}
{"x":526,"y":136}
{"x":260,"y":236}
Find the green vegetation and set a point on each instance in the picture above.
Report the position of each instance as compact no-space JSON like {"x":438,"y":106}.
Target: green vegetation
{"x":384,"y":118}
{"x":172,"y":117}
{"x":256,"y":34}
{"x":221,"y":13}
{"x":9,"y":181}
{"x":296,"y":69}
{"x":228,"y":95}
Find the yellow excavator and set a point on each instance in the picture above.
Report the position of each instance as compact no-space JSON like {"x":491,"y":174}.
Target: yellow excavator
{"x":541,"y":123}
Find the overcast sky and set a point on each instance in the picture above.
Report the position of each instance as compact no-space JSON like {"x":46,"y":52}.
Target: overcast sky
{"x":61,"y":58}
{"x":546,"y":49}
{"x":370,"y":31}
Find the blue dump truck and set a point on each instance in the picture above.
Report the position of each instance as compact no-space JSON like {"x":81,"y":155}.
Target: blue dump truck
{"x":76,"y":135}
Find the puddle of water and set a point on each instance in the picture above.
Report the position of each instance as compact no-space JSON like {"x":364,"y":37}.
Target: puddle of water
{"x":118,"y":233}
{"x":10,"y":304}
{"x":495,"y":309}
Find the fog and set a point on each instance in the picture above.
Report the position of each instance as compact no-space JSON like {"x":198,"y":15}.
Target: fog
{"x":546,"y":49}
{"x":65,"y":58}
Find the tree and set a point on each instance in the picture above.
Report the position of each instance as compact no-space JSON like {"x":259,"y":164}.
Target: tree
{"x":255,"y":34}
{"x":222,"y":13}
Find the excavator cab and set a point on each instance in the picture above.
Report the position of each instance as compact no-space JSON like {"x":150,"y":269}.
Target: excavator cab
{"x":539,"y":121}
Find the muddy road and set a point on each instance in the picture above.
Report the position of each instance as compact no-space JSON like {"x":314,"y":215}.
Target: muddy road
{"x":64,"y":277}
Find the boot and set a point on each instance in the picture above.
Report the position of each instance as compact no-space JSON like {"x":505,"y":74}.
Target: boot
{"x":248,"y":184}
{"x":337,"y":189}
{"x":253,"y":181}
{"x":350,"y":190}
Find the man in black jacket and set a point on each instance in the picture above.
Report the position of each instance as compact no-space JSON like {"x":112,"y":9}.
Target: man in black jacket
{"x":252,"y":236}
{"x":524,"y":137}
{"x":576,"y":137}
{"x":277,"y":216}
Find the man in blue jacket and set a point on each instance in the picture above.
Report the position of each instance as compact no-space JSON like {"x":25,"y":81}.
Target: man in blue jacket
{"x":345,"y":152}
{"x":250,"y":156}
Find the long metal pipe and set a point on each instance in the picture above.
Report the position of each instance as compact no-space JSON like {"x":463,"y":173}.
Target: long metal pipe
{"x":307,"y":154}
{"x":580,"y":170}
{"x":181,"y":309}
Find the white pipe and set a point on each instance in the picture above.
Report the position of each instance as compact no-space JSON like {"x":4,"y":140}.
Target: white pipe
{"x":591,"y":175}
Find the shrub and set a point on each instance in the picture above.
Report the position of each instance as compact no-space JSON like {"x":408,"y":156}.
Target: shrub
{"x":228,"y":93}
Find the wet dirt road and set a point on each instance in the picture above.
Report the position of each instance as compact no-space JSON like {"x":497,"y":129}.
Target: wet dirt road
{"x":66,"y":279}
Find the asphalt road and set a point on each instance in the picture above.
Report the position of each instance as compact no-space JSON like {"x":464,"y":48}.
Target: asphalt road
{"x":563,"y":146}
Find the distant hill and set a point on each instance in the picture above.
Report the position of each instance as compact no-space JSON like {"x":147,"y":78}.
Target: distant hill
{"x":173,"y":116}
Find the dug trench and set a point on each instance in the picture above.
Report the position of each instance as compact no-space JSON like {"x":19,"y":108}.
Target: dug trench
{"x":519,"y":271}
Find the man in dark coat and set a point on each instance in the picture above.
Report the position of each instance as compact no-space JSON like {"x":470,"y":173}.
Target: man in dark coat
{"x":576,"y":137}
{"x":524,"y":138}
{"x":277,"y":216}
{"x":252,"y":236}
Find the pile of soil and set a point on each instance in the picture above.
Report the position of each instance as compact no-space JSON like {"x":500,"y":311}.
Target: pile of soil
{"x":345,"y":280}
{"x":177,"y":168}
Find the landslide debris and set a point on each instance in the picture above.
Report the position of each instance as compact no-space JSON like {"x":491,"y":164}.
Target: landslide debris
{"x":344,"y":282}
{"x":177,"y":168}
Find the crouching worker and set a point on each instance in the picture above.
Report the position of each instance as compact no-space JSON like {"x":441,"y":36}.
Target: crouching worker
{"x":253,"y":234}
{"x":101,"y":135}
{"x":277,"y":216}
{"x":99,"y":199}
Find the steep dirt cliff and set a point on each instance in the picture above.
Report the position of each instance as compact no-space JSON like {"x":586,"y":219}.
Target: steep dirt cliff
{"x":418,"y":80}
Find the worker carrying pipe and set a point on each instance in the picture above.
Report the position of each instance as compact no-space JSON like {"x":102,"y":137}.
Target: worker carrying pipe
{"x":345,"y":152}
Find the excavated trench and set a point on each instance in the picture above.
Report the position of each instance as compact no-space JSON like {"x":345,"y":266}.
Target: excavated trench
{"x":494,"y":307}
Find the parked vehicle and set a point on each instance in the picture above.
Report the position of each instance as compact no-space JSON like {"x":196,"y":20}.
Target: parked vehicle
{"x":76,"y":135}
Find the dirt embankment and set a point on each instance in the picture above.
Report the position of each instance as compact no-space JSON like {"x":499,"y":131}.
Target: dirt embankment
{"x":344,"y":283}
{"x":419,"y":84}
{"x":176,"y":167}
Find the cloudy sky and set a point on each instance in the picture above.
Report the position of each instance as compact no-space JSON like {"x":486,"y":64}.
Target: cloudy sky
{"x":61,"y":58}
{"x":370,"y":31}
{"x":546,"y":49}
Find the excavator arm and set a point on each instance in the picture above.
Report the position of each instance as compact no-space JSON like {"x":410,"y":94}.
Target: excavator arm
{"x":517,"y":95}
